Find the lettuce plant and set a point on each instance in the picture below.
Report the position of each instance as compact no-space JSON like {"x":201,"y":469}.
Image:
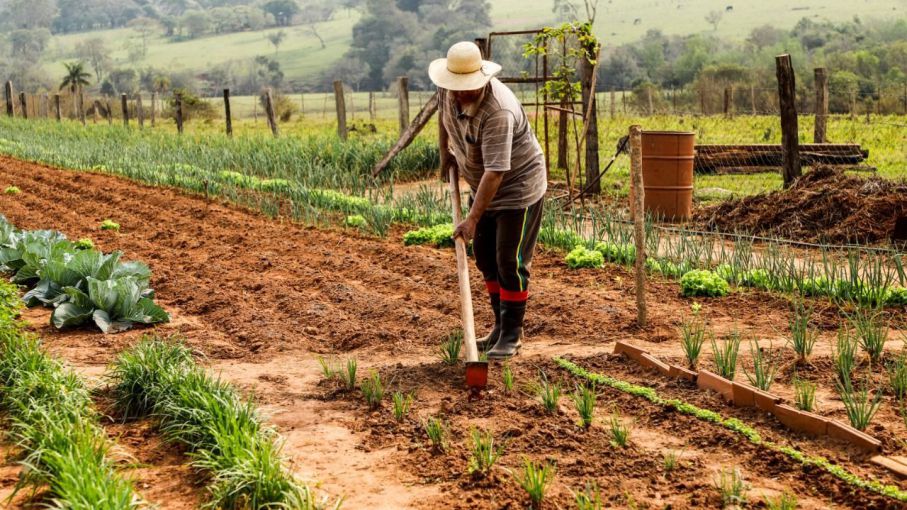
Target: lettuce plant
{"x":582,"y":257}
{"x":701,"y":282}
{"x":440,"y":236}
{"x":110,"y":225}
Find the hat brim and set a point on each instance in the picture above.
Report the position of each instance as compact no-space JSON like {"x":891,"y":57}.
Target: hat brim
{"x":445,"y":79}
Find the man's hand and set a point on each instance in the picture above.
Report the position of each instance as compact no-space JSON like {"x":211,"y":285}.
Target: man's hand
{"x":466,"y":229}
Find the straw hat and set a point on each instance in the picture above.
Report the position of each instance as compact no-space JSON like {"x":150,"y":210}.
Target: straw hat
{"x":463,"y":69}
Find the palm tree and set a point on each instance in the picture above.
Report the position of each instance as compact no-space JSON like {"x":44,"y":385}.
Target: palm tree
{"x":75,"y":78}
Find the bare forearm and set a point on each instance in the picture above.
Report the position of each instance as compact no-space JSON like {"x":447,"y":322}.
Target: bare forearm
{"x":488,"y":188}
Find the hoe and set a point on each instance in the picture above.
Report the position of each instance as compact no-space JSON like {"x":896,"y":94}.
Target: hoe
{"x":476,"y":371}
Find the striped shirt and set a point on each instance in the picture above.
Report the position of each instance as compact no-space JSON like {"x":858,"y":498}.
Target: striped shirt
{"x":494,"y":135}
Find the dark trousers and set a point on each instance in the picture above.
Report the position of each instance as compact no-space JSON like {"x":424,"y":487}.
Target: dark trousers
{"x":503,"y":247}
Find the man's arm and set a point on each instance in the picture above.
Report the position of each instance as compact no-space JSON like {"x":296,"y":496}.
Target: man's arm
{"x":488,"y":188}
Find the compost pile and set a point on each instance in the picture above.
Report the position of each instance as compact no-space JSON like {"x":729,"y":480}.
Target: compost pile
{"x":825,"y":205}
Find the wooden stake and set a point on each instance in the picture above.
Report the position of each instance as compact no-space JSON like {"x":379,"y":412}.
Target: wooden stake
{"x":371,"y":106}
{"x":639,"y":218}
{"x":57,"y":112}
{"x":109,"y":110}
{"x":562,"y":118}
{"x":613,"y":104}
{"x":340,"y":103}
{"x":649,"y":98}
{"x":753,"y":99}
{"x":787,"y":99}
{"x":269,"y":110}
{"x":227,"y":117}
{"x":819,"y":132}
{"x":80,"y":106}
{"x":124,"y":104}
{"x":403,"y":102}
{"x":727,"y":102}
{"x":179,"y":113}
{"x":8,"y":89}
{"x":139,"y":111}
{"x":23,"y":104}
{"x":590,"y":121}
{"x":153,"y":107}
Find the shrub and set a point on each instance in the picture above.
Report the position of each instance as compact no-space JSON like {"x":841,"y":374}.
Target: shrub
{"x":110,"y":225}
{"x":701,"y":282}
{"x":440,"y":236}
{"x":582,"y":257}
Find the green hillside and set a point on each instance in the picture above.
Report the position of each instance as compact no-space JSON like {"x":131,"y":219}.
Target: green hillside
{"x":618,"y":21}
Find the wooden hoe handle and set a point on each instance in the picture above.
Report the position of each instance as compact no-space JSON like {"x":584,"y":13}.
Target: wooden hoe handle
{"x":469,"y":328}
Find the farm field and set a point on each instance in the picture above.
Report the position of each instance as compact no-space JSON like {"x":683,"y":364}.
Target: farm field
{"x":258,"y":300}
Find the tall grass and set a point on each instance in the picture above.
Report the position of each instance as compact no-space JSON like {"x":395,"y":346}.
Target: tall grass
{"x":222,"y":432}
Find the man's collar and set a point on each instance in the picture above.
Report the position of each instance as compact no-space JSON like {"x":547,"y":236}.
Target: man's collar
{"x":473,"y":108}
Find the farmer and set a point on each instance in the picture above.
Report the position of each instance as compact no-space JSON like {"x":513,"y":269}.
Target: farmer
{"x":484,"y":127}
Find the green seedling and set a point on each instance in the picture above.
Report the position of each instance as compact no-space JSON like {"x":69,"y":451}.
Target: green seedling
{"x":861,"y":407}
{"x":844,"y":355}
{"x":732,"y":488}
{"x":436,"y":432}
{"x":110,"y":225}
{"x":549,"y":393}
{"x":803,"y":337}
{"x":670,"y":461}
{"x":450,"y":349}
{"x":786,"y":501}
{"x":764,"y":367}
{"x":535,"y":480}
{"x":589,"y":498}
{"x":871,"y":331}
{"x":897,"y":377}
{"x":804,"y":395}
{"x":373,"y":390}
{"x":620,"y":431}
{"x":507,"y":378}
{"x":726,"y":355}
{"x":584,"y":398}
{"x":329,"y":370}
{"x":348,"y":376}
{"x":484,"y":453}
{"x":402,"y":405}
{"x":693,"y":333}
{"x":12,"y":190}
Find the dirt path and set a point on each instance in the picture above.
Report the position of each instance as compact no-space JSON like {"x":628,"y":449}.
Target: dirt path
{"x":258,"y":297}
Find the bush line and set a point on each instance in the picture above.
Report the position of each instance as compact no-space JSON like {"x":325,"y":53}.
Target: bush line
{"x":223,"y":432}
{"x":52,"y":420}
{"x":734,"y":425}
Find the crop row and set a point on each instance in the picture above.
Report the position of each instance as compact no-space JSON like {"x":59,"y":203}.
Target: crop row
{"x":79,"y":282}
{"x":52,"y":421}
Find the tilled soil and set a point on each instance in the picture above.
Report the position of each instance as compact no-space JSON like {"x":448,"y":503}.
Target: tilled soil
{"x":259,"y":297}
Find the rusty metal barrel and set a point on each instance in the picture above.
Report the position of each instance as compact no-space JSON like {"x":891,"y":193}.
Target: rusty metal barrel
{"x":667,"y":172}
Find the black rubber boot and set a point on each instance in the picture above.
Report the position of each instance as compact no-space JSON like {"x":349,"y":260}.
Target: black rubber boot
{"x":487,"y":342}
{"x":512,"y":314}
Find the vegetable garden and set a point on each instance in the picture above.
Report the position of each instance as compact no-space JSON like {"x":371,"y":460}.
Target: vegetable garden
{"x":253,"y":323}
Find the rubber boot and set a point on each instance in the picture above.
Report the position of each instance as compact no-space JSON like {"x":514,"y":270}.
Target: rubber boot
{"x":512,"y":314}
{"x":488,"y":341}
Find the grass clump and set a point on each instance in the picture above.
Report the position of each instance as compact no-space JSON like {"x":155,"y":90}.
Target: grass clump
{"x":402,"y":404}
{"x":110,"y":225}
{"x":584,"y":398}
{"x":786,"y":501}
{"x":373,"y":390}
{"x":535,"y":480}
{"x":804,"y":395}
{"x":449,"y":351}
{"x":692,"y":337}
{"x":329,"y":369}
{"x":670,"y":461}
{"x":802,"y":336}
{"x":583,"y":258}
{"x":726,"y":356}
{"x":12,"y":190}
{"x":620,"y":431}
{"x":731,"y":487}
{"x":861,"y":407}
{"x":348,"y":376}
{"x":764,"y":368}
{"x":589,"y":498}
{"x":483,"y":453}
{"x":222,"y":432}
{"x":436,"y":432}
{"x":549,"y":394}
{"x":702,"y":282}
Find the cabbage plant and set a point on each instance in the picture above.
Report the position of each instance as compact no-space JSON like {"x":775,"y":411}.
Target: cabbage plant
{"x":114,"y":305}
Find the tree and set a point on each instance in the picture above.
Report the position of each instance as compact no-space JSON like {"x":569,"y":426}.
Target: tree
{"x":161,"y":83}
{"x":95,"y":52}
{"x":75,"y":79}
{"x":144,"y":27}
{"x":27,"y":45}
{"x":315,"y":12}
{"x":277,"y":38}
{"x":124,"y":81}
{"x":282,"y":10}
{"x":196,"y":23}
{"x":714,"y":18}
{"x":565,"y":10}
{"x":30,"y":14}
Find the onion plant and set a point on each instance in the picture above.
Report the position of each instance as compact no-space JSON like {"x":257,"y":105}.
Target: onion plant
{"x":329,"y":368}
{"x":731,"y":487}
{"x":764,"y":367}
{"x":549,"y":393}
{"x":484,"y":453}
{"x":861,"y":404}
{"x":726,"y":355}
{"x":507,"y":378}
{"x":584,"y":398}
{"x":402,"y":404}
{"x":535,"y":480}
{"x":373,"y":390}
{"x":348,"y":376}
{"x":803,"y":337}
{"x":620,"y":430}
{"x":670,"y":461}
{"x":785,"y":501}
{"x":804,"y":395}
{"x":897,"y":377}
{"x":436,"y":432}
{"x":872,"y":332}
{"x":693,"y":333}
{"x":450,"y":349}
{"x":589,"y":498}
{"x":844,"y":355}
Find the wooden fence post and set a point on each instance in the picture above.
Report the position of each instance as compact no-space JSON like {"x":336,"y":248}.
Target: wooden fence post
{"x":403,"y":101}
{"x":109,"y":110}
{"x":587,"y":80}
{"x":57,"y":113}
{"x":139,"y":111}
{"x":97,"y":110}
{"x":8,"y":89}
{"x":153,"y":107}
{"x":340,"y":103}
{"x":649,"y":98}
{"x":727,"y":102}
{"x":302,"y":105}
{"x":80,"y":106}
{"x":125,"y":108}
{"x":613,"y":103}
{"x":639,"y":218}
{"x":178,"y":102}
{"x":787,"y":99}
{"x":23,"y":104}
{"x":269,"y":110}
{"x":819,"y":132}
{"x":227,"y":116}
{"x":562,"y":129}
{"x":45,"y":106}
{"x":371,"y":106}
{"x":753,"y":99}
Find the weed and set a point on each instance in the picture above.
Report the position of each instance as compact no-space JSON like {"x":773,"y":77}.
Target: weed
{"x":329,"y":370}
{"x":692,"y":337}
{"x":764,"y":367}
{"x":349,"y":375}
{"x":373,"y":390}
{"x":897,"y":377}
{"x":786,"y":501}
{"x":110,"y":225}
{"x":549,"y":393}
{"x":535,"y":480}
{"x":726,"y":356}
{"x":871,"y":331}
{"x":12,"y":190}
{"x":620,"y":431}
{"x":844,"y":355}
{"x":803,"y":337}
{"x":589,"y":498}
{"x":585,"y":398}
{"x":436,"y":432}
{"x":450,"y":349}
{"x":732,"y":487}
{"x":402,"y":405}
{"x":507,"y":377}
{"x":484,"y":452}
{"x":804,"y":395}
{"x":670,"y":461}
{"x":860,"y":406}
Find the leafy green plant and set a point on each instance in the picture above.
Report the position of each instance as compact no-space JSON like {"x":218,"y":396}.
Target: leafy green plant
{"x":701,"y":282}
{"x":618,"y":253}
{"x":620,"y":430}
{"x":110,"y":225}
{"x":402,"y":404}
{"x":535,"y":480}
{"x":589,"y":498}
{"x":726,"y":355}
{"x":584,"y":398}
{"x":113,"y":305}
{"x":483,"y":453}
{"x":871,"y":332}
{"x":764,"y":367}
{"x":356,"y":221}
{"x":440,"y":236}
{"x":844,"y":355}
{"x":84,"y":244}
{"x":507,"y":378}
{"x":897,"y":376}
{"x":582,"y":257}
{"x":450,"y":349}
{"x":348,"y":376}
{"x":549,"y":393}
{"x":785,"y":501}
{"x":731,"y":487}
{"x":692,"y":337}
{"x":803,"y":337}
{"x":12,"y":190}
{"x":804,"y":395}
{"x":861,"y":407}
{"x":436,"y":432}
{"x":373,"y":390}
